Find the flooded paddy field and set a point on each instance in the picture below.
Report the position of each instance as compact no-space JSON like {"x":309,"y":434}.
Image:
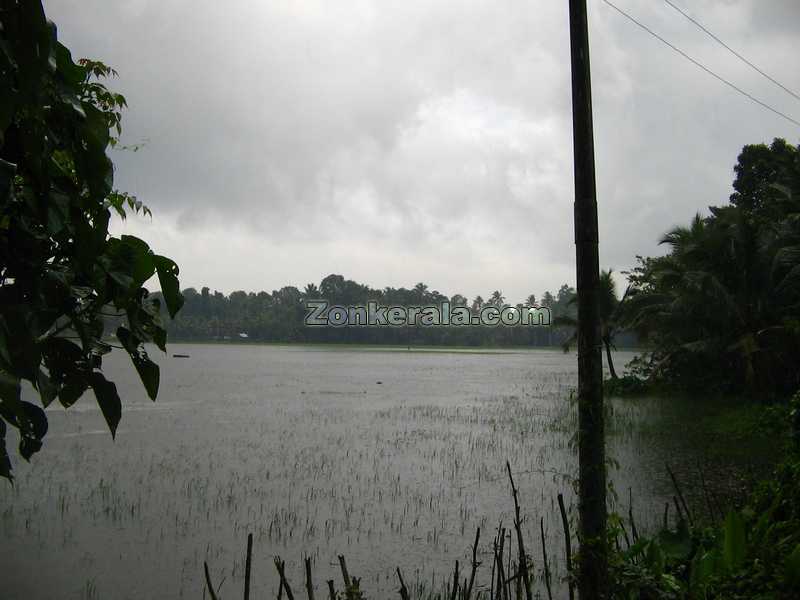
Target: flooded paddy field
{"x":389,"y":457}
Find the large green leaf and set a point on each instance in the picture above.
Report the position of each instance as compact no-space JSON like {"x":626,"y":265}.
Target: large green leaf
{"x":654,"y":558}
{"x":47,"y":391}
{"x":9,"y":390}
{"x":73,"y":74}
{"x":72,"y":389}
{"x":63,"y":271}
{"x":28,"y":418}
{"x":734,"y":543}
{"x":168,"y":278}
{"x":147,"y":369}
{"x":132,"y":262}
{"x":677,"y":545}
{"x":792,"y":567}
{"x":149,"y":374}
{"x":33,"y":428}
{"x":108,"y":399}
{"x":704,"y":566}
{"x":143,"y":265}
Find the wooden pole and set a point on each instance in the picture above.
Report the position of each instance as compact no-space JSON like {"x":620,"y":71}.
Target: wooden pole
{"x":247,"y":566}
{"x":567,"y":545}
{"x":523,"y":558}
{"x":208,"y":582}
{"x":403,"y":589}
{"x":592,"y":570}
{"x":544,"y":559}
{"x":475,"y":564}
{"x":309,"y":583}
{"x":280,"y":566}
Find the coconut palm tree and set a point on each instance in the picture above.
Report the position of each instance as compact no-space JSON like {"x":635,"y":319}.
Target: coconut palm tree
{"x":458,"y":300}
{"x":497,"y":299}
{"x":421,"y":292}
{"x":723,"y":304}
{"x":609,"y":312}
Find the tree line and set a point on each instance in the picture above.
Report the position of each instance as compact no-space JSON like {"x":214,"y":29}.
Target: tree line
{"x":279,"y":316}
{"x":721,"y":309}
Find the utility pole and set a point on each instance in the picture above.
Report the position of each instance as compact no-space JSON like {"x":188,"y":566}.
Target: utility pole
{"x":593,"y":567}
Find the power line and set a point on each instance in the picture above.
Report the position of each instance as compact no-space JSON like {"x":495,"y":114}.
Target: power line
{"x":732,"y":51}
{"x":702,"y":66}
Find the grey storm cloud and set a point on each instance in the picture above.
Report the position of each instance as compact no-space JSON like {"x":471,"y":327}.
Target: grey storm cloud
{"x":394,"y":142}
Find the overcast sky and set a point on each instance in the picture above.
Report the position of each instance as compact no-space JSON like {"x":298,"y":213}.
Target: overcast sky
{"x":404,"y":141}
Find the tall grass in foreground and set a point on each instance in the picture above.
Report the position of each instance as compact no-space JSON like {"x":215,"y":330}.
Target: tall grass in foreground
{"x":645,"y":564}
{"x":512,"y":572}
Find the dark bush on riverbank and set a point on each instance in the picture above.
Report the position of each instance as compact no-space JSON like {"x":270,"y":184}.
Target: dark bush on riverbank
{"x":720,"y":310}
{"x":626,"y":385}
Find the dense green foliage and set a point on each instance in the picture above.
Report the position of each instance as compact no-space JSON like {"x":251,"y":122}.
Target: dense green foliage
{"x":61,"y":273}
{"x":278,"y":317}
{"x":721,"y":310}
{"x":753,"y":553}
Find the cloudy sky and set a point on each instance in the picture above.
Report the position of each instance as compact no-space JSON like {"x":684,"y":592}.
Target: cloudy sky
{"x":395,"y":142}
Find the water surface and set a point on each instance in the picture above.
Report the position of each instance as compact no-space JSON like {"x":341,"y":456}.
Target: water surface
{"x":390,"y":457}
